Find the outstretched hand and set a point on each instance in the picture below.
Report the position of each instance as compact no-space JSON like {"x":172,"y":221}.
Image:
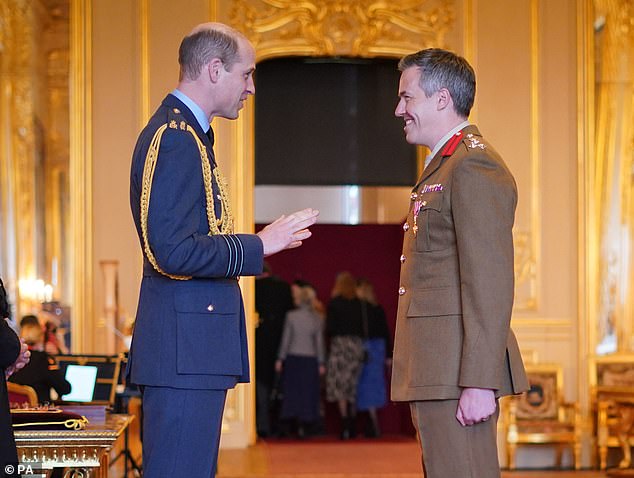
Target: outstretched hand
{"x":288,"y":232}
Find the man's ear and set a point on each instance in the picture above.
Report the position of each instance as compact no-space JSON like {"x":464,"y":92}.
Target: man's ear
{"x":444,"y":99}
{"x":214,"y":68}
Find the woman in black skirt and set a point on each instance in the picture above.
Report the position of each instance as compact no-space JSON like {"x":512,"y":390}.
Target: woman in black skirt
{"x":301,"y":362}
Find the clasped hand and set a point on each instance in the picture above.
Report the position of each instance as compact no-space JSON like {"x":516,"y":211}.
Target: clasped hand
{"x":288,"y":232}
{"x":21,"y":361}
{"x":475,"y":405}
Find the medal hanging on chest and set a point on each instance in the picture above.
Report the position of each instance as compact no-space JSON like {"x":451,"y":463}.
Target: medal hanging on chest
{"x":417,"y":206}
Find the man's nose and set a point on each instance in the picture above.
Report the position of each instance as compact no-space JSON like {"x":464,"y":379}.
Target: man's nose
{"x":251,"y":86}
{"x":400,"y":109}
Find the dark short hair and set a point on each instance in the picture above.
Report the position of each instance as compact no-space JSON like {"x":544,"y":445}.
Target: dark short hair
{"x":444,"y":69}
{"x":199,"y":48}
{"x":29,"y":320}
{"x":5,"y":310}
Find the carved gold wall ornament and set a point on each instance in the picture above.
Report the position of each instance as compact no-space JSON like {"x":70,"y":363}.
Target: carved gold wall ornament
{"x":363,"y":28}
{"x":525,"y":271}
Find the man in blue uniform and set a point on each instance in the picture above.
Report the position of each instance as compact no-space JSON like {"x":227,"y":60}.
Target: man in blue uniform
{"x":189,"y":344}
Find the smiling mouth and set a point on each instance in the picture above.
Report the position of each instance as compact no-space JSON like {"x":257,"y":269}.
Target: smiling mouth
{"x":408,"y":121}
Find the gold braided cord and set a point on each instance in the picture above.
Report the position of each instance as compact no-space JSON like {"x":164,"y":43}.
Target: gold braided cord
{"x":216,"y":226}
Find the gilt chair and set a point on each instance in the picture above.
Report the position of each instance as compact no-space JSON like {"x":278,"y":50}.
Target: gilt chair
{"x":21,"y":394}
{"x":542,"y":417}
{"x":612,"y":394}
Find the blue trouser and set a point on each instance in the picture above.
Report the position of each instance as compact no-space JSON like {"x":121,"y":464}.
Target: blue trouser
{"x":181,"y":432}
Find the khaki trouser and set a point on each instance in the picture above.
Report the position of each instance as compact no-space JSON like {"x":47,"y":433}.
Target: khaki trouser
{"x":450,"y":450}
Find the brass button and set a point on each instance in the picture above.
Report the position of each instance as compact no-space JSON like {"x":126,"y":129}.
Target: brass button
{"x":406,"y":226}
{"x":414,"y":196}
{"x":176,"y":110}
{"x":210,"y":308}
{"x":424,"y":203}
{"x":402,"y":258}
{"x":401,"y":290}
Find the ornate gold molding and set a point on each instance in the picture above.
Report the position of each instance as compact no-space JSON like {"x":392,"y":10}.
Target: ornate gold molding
{"x":525,"y":271}
{"x":363,"y":28}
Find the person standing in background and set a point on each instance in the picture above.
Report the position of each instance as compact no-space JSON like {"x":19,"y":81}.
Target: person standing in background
{"x":189,"y":343}
{"x":301,"y":362}
{"x":454,"y":351}
{"x":372,"y":390}
{"x":273,"y":300}
{"x":345,"y":331}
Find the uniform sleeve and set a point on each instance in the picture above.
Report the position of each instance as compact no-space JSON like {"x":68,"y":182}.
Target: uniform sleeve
{"x":174,"y":219}
{"x":483,"y":204}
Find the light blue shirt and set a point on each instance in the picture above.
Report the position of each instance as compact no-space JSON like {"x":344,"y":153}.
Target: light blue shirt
{"x":200,"y":115}
{"x":443,"y":140}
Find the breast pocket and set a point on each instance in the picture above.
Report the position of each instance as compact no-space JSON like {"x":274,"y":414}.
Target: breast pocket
{"x":208,"y":330}
{"x":429,"y":236}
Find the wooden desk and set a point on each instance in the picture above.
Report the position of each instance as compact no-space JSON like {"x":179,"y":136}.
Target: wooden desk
{"x":83,"y":452}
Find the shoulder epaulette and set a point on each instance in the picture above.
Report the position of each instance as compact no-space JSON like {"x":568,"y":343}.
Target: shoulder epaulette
{"x":176,"y":120}
{"x":471,"y":141}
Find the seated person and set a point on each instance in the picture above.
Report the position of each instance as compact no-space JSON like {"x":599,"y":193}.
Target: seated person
{"x":42,"y":372}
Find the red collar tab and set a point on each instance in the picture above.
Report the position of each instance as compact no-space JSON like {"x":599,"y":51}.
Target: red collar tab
{"x":452,"y":144}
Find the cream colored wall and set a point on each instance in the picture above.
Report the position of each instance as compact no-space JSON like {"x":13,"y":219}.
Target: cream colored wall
{"x":117,"y":120}
{"x":525,"y":61}
{"x":526,"y":106}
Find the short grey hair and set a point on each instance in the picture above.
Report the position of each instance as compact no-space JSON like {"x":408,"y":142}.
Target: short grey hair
{"x":202,"y":45}
{"x":444,"y":69}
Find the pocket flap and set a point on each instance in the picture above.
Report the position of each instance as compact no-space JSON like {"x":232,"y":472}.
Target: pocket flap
{"x":216,"y":299}
{"x":431,"y":200}
{"x":435,"y":302}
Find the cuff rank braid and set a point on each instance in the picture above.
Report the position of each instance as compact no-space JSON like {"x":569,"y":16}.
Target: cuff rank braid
{"x":223,"y":226}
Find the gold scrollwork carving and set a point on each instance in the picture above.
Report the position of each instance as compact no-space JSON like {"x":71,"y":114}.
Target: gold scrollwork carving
{"x":362,"y":28}
{"x":525,"y":271}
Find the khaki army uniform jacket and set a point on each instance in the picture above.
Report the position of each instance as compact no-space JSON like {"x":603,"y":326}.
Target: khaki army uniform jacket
{"x":456,"y":283}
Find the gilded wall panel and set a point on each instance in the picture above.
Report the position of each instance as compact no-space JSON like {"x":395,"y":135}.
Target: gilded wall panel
{"x":362,"y":28}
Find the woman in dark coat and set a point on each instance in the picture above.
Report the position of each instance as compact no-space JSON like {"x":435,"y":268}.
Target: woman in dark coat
{"x":13,"y":355}
{"x":344,"y":329}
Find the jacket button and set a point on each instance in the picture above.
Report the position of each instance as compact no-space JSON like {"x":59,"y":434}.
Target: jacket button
{"x":406,"y":226}
{"x":402,"y":258}
{"x":210,"y":308}
{"x":413,"y":196}
{"x":424,"y":203}
{"x":401,"y":290}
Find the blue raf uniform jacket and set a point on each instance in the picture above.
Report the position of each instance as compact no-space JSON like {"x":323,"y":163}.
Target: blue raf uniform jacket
{"x":188,"y":333}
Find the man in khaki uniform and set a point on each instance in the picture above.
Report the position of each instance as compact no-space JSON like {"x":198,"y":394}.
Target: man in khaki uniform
{"x":454,"y":352}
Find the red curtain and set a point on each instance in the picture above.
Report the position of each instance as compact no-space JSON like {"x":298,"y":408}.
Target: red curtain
{"x":369,"y":250}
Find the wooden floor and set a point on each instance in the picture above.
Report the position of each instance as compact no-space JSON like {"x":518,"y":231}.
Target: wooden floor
{"x":395,"y":457}
{"x":398,"y":458}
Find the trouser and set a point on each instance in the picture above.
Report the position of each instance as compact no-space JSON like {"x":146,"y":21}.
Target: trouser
{"x":450,"y":450}
{"x":181,"y":432}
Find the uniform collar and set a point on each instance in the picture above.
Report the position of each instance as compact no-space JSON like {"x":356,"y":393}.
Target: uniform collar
{"x":444,"y":139}
{"x":437,"y":159}
{"x":196,"y":110}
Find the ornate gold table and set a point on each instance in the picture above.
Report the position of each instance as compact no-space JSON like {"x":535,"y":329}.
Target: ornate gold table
{"x":83,"y":452}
